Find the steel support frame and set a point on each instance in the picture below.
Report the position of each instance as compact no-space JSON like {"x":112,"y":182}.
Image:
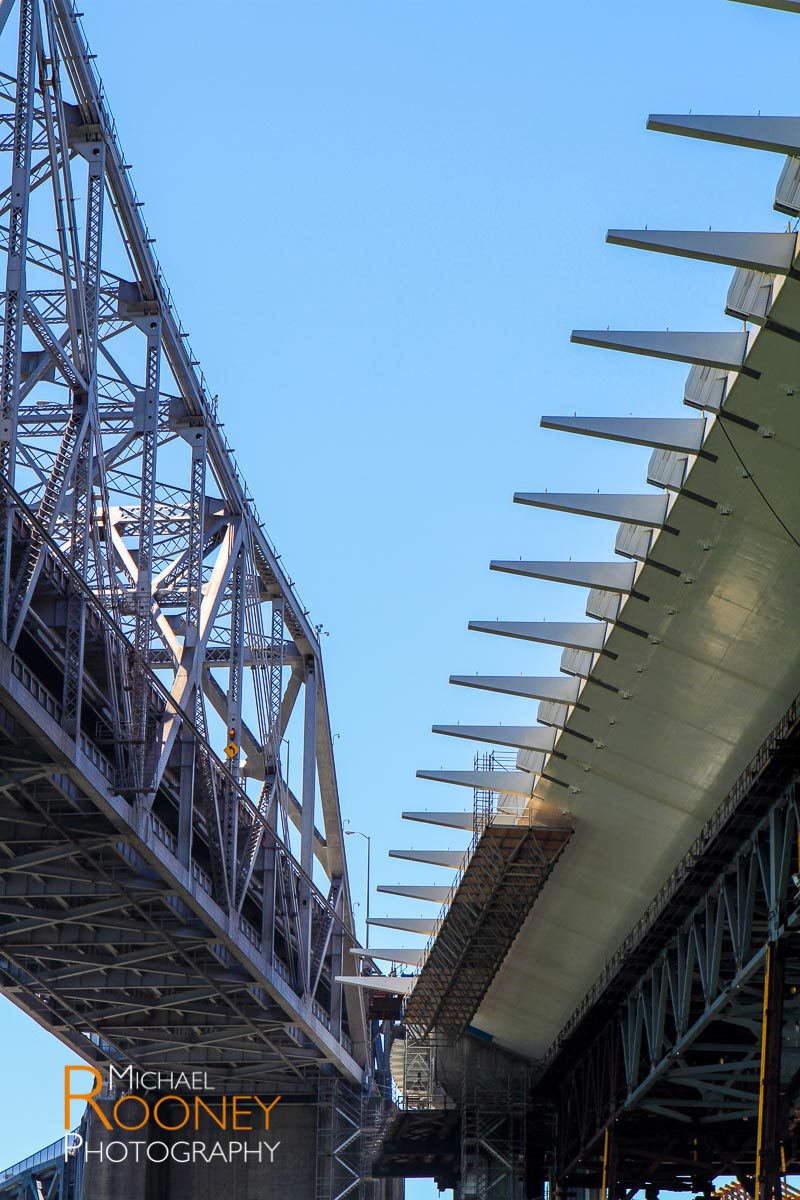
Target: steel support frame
{"x":684,"y":1049}
{"x":48,"y":1175}
{"x":105,"y":936}
{"x":345,"y":1134}
{"x":130,"y":547}
{"x":493,"y":1137}
{"x":768,"y":1139}
{"x":494,"y":891}
{"x":16,"y":264}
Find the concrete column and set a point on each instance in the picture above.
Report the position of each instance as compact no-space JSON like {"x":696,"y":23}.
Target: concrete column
{"x":290,"y":1170}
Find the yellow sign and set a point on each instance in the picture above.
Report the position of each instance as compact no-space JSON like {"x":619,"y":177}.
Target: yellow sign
{"x":231,"y":749}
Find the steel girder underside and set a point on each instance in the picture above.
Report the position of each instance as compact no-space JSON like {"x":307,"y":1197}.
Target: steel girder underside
{"x":108,"y":943}
{"x":160,"y":903}
{"x":658,"y":1081}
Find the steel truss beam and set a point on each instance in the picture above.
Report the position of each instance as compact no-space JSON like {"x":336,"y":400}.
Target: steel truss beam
{"x":47,"y":1175}
{"x":103,"y":935}
{"x":130,"y":543}
{"x":695,"y":1042}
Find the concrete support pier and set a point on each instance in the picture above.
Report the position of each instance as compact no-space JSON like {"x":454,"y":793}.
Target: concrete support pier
{"x":223,"y":1154}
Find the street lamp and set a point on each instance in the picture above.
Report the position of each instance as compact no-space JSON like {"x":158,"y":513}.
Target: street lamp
{"x":368,"y":840}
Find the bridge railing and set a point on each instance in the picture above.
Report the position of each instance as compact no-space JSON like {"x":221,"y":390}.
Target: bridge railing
{"x":42,"y":1157}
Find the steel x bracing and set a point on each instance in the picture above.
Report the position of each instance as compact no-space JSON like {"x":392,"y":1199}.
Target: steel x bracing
{"x":157,"y":897}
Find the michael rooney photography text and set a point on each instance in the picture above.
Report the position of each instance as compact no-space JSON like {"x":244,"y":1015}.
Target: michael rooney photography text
{"x":165,"y":1104}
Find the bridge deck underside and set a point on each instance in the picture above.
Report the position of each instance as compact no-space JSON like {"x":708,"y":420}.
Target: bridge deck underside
{"x":667,"y":1060}
{"x":99,"y":945}
{"x":421,"y":1144}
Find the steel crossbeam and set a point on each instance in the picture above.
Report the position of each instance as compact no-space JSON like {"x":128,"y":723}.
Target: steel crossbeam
{"x":136,"y":585}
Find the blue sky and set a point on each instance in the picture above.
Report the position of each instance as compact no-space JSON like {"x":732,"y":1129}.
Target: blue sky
{"x":380,"y":221}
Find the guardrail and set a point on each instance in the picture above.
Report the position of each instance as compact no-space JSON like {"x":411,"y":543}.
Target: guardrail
{"x":31,"y":684}
{"x":48,"y":1154}
{"x":49,"y":703}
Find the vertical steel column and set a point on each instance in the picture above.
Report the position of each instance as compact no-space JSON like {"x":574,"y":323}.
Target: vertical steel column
{"x":309,"y":771}
{"x":196,"y":439}
{"x":83,"y":403}
{"x":278,"y":797}
{"x":194,"y":655}
{"x":15,"y":283}
{"x":272,"y":792}
{"x":185,"y":795}
{"x":95,"y":154}
{"x":81,"y":302}
{"x":146,"y":424}
{"x":58,"y":143}
{"x":768,"y":1151}
{"x":337,"y":968}
{"x":92,"y":147}
{"x":236,"y":667}
{"x":608,"y":1187}
{"x":234,"y":707}
{"x":78,"y":553}
{"x":307,"y":815}
{"x":268,"y":881}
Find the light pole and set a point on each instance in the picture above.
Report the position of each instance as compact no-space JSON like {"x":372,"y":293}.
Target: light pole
{"x":368,"y":840}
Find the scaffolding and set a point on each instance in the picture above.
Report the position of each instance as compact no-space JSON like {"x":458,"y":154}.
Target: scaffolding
{"x":492,"y":897}
{"x":504,"y":870}
{"x":493,"y":1126}
{"x":339,"y":1128}
{"x":483,"y":801}
{"x":413,"y":1067}
{"x":350,"y":1123}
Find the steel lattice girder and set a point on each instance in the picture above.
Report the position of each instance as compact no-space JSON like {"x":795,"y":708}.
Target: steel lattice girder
{"x":102,"y":940}
{"x":145,"y":616}
{"x":683,"y":1049}
{"x":51,"y":1178}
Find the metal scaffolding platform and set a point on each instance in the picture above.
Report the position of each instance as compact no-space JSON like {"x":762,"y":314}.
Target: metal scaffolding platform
{"x":499,"y":886}
{"x":493,"y":1128}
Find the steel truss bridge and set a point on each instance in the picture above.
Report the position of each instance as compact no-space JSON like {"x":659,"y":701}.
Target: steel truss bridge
{"x":162,"y":903}
{"x":46,"y":1175}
